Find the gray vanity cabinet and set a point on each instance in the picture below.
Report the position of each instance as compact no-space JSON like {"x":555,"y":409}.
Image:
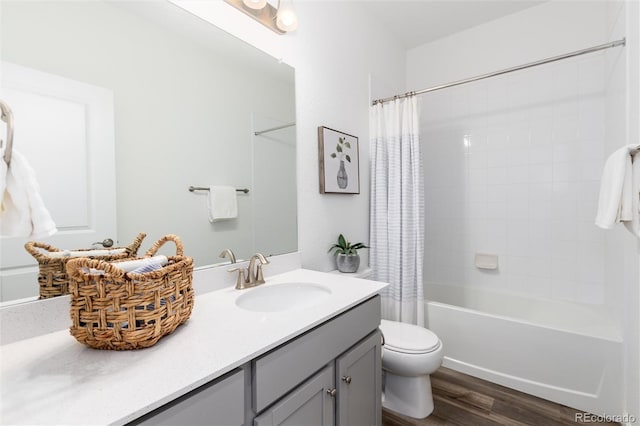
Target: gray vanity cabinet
{"x":280,"y":371}
{"x":348,"y":345}
{"x":309,"y":404}
{"x":220,"y":402}
{"x":359,"y":378}
{"x":355,"y":401}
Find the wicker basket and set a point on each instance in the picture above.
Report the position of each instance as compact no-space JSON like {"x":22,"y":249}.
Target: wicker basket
{"x":120,"y":310}
{"x":52,"y":278}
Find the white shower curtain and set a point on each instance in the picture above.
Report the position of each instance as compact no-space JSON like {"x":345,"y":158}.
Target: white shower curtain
{"x":397,"y":209}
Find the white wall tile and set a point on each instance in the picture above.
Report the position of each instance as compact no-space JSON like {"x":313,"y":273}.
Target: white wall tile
{"x":591,"y":74}
{"x":496,"y":175}
{"x":525,"y":187}
{"x":540,"y":173}
{"x":563,"y":290}
{"x":497,"y":158}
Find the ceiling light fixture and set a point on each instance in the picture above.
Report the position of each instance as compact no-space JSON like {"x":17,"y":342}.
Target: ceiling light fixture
{"x":255,"y":4}
{"x":280,"y":20}
{"x":286,"y":18}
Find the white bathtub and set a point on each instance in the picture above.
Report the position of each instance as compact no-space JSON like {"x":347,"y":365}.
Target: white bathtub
{"x":570,"y":354}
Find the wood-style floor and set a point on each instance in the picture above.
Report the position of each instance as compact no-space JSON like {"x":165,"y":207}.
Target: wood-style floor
{"x":463,"y":400}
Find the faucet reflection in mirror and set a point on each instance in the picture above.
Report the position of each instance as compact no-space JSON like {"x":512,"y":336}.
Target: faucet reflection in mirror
{"x":228,"y":253}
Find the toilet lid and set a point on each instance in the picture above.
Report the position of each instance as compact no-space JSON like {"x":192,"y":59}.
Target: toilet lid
{"x":408,"y":338}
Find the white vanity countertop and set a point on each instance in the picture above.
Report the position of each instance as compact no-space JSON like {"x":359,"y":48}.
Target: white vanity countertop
{"x":53,"y":379}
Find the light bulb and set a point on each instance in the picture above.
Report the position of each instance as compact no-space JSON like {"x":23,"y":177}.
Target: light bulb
{"x":255,"y":4}
{"x":286,"y":18}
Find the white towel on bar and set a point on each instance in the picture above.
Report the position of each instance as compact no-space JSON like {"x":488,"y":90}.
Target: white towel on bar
{"x":223,"y":203}
{"x":633,"y":225}
{"x":616,"y":201}
{"x":22,"y":211}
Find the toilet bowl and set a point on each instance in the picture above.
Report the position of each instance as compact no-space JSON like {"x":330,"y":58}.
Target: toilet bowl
{"x":409,"y":355}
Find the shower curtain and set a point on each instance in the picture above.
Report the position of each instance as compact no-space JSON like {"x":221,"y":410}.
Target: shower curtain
{"x":397,"y":209}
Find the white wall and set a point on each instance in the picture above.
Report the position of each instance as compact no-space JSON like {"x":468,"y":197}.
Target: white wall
{"x":550,"y":29}
{"x":335,"y":51}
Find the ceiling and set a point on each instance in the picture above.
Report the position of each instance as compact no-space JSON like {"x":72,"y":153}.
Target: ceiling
{"x":421,"y":21}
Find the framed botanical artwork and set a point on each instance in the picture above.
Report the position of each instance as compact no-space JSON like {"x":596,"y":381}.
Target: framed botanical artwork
{"x":339,"y":157}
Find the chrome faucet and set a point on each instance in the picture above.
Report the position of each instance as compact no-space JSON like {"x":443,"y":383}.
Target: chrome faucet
{"x":229,"y":253}
{"x":253,"y":275}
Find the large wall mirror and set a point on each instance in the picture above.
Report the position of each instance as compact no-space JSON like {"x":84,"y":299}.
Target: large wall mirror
{"x":183,"y":104}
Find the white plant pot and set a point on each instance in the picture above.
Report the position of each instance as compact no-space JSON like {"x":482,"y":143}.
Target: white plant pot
{"x":348,"y":263}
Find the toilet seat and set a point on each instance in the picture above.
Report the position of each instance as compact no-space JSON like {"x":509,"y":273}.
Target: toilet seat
{"x":408,"y":338}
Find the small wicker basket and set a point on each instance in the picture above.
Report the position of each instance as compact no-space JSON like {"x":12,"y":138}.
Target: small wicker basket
{"x":52,"y":277}
{"x":120,"y":310}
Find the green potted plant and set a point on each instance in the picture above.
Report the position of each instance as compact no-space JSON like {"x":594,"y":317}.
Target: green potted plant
{"x":347,"y":257}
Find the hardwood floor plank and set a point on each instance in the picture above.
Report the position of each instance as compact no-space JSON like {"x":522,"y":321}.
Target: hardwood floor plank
{"x":461,"y":393}
{"x":510,"y":397}
{"x":391,"y":418}
{"x":463,"y":400}
{"x":464,"y":414}
{"x":531,"y":417}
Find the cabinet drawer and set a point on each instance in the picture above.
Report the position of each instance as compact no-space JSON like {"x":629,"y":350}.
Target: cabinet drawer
{"x":220,"y":402}
{"x":279,"y":371}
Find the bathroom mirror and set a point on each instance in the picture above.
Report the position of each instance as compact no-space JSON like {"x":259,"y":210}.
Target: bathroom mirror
{"x":188,"y":100}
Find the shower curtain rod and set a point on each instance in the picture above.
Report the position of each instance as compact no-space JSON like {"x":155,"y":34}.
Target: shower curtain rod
{"x":284,"y":126}
{"x":616,"y":43}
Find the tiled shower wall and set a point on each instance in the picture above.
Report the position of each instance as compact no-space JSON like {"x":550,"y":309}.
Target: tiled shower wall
{"x":512,"y":167}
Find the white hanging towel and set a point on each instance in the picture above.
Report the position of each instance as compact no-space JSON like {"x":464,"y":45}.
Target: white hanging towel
{"x":223,"y":203}
{"x":618,"y":200}
{"x":633,"y":225}
{"x":22,"y":211}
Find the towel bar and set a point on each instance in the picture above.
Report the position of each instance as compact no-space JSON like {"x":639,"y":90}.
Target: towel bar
{"x":201,"y":188}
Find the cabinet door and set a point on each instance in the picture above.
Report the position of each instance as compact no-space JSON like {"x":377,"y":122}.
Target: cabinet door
{"x":220,"y":402}
{"x":358,"y":378}
{"x":310,"y":404}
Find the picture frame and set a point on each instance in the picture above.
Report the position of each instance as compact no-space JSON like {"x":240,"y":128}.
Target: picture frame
{"x":339,"y":158}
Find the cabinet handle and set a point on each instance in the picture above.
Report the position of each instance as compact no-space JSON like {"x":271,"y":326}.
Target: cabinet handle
{"x":346,"y":379}
{"x":332,"y":392}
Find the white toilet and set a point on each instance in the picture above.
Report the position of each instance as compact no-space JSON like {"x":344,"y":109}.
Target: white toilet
{"x":410,"y":354}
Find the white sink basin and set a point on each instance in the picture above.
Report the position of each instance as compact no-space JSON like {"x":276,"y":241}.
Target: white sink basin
{"x":283,"y":297}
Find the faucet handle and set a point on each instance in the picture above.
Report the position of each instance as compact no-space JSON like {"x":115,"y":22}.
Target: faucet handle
{"x":241,"y":281}
{"x":258,"y":278}
{"x":259,"y":274}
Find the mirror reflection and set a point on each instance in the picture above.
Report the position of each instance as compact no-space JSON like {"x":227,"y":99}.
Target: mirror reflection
{"x":179,"y":100}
